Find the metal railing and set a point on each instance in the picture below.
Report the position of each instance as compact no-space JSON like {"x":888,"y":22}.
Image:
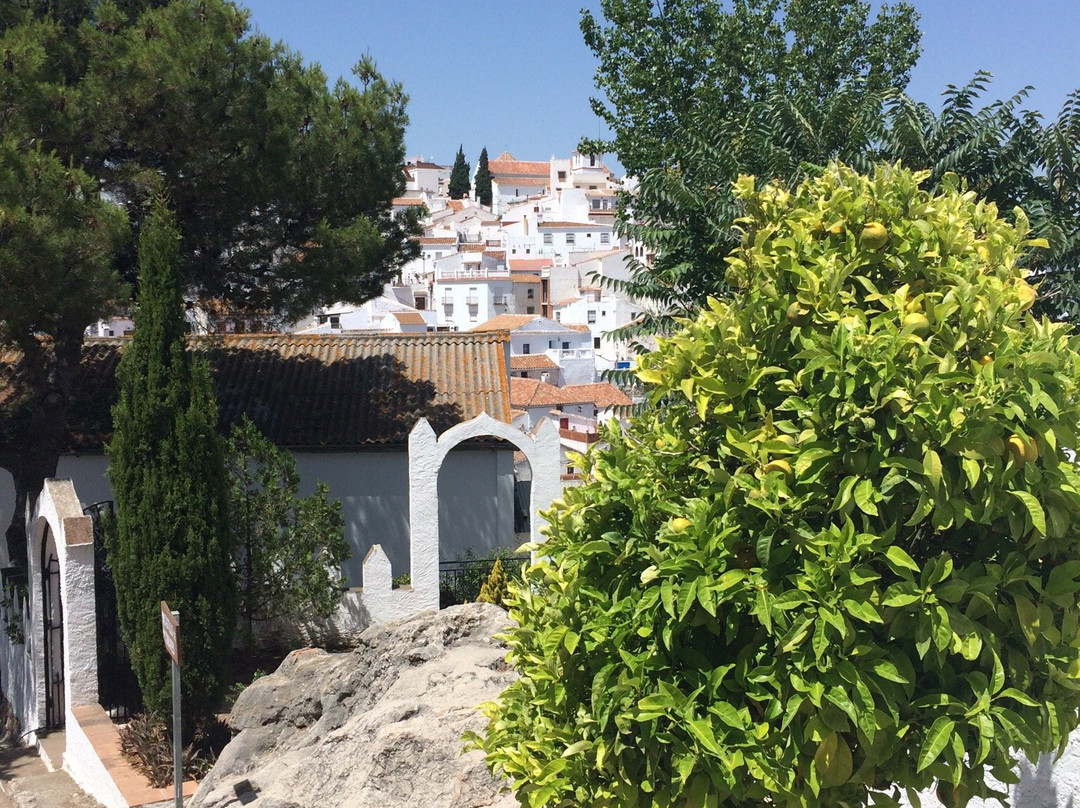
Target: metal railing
{"x":461,"y":581}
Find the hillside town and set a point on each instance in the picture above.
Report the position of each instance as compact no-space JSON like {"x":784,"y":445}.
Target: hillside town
{"x":727,"y":456}
{"x":531,"y":266}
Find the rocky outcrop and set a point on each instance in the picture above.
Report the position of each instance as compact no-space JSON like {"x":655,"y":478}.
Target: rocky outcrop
{"x":376,"y":727}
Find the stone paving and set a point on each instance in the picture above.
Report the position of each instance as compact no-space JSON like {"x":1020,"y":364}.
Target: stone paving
{"x":26,"y":782}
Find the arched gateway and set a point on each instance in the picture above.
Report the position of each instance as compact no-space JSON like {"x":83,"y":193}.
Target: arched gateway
{"x":426,"y":455}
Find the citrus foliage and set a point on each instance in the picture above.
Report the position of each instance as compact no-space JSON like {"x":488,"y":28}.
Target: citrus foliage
{"x":837,"y":558}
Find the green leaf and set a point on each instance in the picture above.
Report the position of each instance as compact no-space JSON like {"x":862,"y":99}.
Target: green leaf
{"x":862,"y":611}
{"x":936,"y":740}
{"x":1034,"y":509}
{"x":899,"y":559}
{"x":808,"y":458}
{"x":932,"y":469}
{"x":887,"y":670}
{"x":833,"y":761}
{"x":864,"y":497}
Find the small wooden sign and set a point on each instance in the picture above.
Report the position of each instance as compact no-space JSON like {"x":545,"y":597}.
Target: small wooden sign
{"x":170,"y":630}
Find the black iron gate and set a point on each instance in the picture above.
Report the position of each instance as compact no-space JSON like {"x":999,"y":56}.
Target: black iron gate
{"x":53,"y":622}
{"x":118,"y":690}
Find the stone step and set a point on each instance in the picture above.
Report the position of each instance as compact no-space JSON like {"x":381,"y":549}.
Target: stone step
{"x":27,"y":782}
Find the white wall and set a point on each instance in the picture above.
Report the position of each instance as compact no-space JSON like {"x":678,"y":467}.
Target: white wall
{"x":476,"y":499}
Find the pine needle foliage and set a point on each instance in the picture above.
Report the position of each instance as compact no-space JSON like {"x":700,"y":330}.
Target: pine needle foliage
{"x":170,"y":540}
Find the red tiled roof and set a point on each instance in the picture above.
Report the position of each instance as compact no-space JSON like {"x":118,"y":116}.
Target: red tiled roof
{"x":570,"y":225}
{"x":498,"y":255}
{"x":531,"y":362}
{"x":525,"y":393}
{"x":438,"y":240}
{"x":426,"y":165}
{"x":455,"y":204}
{"x":409,"y":317}
{"x":521,"y":182}
{"x":577,"y":327}
{"x":519,"y":277}
{"x":406,"y":201}
{"x":314,"y":391}
{"x":602,"y":394}
{"x":504,"y":322}
{"x":527,"y":264}
{"x":506,"y":163}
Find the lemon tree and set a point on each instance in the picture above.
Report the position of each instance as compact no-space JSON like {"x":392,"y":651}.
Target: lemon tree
{"x":837,"y":559}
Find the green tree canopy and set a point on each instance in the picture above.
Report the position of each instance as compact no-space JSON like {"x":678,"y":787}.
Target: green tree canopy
{"x":170,"y":540}
{"x":281,"y":184}
{"x":58,"y":241}
{"x":836,"y":559}
{"x":661,"y":61}
{"x":459,"y":176}
{"x":483,"y":179}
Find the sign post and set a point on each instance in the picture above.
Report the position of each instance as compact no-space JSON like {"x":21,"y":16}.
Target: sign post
{"x":170,"y":629}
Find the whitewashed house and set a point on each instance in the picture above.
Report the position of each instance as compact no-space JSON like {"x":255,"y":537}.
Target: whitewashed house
{"x":425,"y":176}
{"x":470,"y":287}
{"x":344,"y":406}
{"x":514,"y":180}
{"x":567,"y":346}
{"x":384,"y":314}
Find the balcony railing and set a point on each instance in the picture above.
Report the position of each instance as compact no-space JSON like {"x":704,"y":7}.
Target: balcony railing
{"x":578,"y":435}
{"x":465,"y":274}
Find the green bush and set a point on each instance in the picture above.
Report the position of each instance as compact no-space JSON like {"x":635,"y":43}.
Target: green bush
{"x":837,"y":558}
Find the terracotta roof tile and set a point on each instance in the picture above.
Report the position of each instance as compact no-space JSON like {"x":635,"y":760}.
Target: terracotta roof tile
{"x":529,"y":264}
{"x":409,"y":317}
{"x":521,"y":277}
{"x":521,"y":182}
{"x":531,"y":362}
{"x":438,"y":240}
{"x":317,"y":391}
{"x":602,"y":394}
{"x":571,"y":225}
{"x":504,"y":322}
{"x":506,"y":163}
{"x":406,"y":201}
{"x":578,"y":327}
{"x":525,"y":393}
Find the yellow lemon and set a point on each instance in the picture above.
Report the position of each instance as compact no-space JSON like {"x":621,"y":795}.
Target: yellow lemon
{"x":679,"y":524}
{"x":917,"y":324}
{"x":874,"y":236}
{"x":778,"y":465}
{"x":1017,"y":447}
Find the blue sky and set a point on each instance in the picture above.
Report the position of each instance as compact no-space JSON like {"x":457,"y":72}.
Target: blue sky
{"x":516,"y":75}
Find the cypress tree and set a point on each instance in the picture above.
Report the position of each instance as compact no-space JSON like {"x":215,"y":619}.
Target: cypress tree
{"x":170,"y":540}
{"x":459,"y":176}
{"x":483,"y":179}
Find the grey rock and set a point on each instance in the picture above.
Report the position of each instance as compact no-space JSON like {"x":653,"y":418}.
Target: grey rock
{"x":379,"y":726}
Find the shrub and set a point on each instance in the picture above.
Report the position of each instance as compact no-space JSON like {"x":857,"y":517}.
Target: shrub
{"x":836,"y":559}
{"x":496,"y":587}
